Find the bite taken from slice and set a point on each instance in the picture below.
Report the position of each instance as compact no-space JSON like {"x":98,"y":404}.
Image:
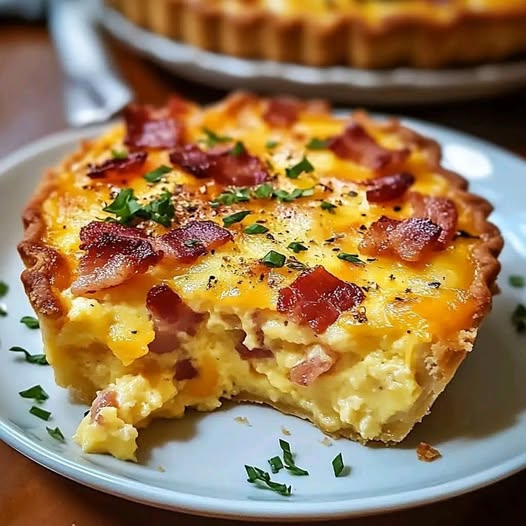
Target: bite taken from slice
{"x":259,"y":250}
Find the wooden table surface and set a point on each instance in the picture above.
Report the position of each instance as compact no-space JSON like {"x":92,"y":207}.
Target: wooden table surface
{"x":30,"y":107}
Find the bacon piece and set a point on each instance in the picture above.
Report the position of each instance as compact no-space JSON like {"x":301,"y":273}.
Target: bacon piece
{"x":411,"y":239}
{"x":114,"y":254}
{"x":317,"y":298}
{"x":427,"y":453}
{"x":170,"y":316}
{"x":192,"y":240}
{"x":258,"y":352}
{"x":388,"y":187}
{"x":185,"y":370}
{"x":103,"y":399}
{"x":282,"y":111}
{"x":148,"y":127}
{"x":440,"y":210}
{"x":315,"y":364}
{"x":358,"y":146}
{"x":132,"y":162}
{"x":227,"y":169}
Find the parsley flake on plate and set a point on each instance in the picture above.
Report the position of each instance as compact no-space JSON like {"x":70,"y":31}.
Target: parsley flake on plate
{"x":256,"y":475}
{"x":4,"y":288}
{"x":39,"y":359}
{"x":517,"y":281}
{"x":56,"y":434}
{"x":288,"y":459}
{"x":36,"y":393}
{"x":30,"y":322}
{"x":338,"y":465}
{"x":275,"y":464}
{"x":40,"y":413}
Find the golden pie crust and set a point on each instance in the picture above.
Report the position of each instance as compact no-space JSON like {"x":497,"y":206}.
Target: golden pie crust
{"x":370,"y":34}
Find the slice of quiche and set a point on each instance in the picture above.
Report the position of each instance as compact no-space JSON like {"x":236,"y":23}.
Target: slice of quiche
{"x":257,"y":250}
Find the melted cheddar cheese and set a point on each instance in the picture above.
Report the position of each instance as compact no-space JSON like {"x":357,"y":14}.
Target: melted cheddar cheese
{"x":379,"y":383}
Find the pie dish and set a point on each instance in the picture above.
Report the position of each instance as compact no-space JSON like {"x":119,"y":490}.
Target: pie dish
{"x":258,"y":250}
{"x":363,"y":34}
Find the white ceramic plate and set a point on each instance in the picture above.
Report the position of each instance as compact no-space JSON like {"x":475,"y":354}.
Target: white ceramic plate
{"x":341,"y":84}
{"x":479,"y":424}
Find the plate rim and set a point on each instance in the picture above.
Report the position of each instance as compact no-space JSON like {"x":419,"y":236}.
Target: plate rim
{"x":242,"y":509}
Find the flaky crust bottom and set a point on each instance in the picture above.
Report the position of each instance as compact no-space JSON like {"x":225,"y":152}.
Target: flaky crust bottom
{"x":402,"y":40}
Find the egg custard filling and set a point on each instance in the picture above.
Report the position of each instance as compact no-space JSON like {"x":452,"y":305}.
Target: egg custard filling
{"x":258,"y":250}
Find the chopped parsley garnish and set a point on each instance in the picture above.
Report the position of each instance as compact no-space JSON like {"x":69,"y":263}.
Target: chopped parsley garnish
{"x":35,"y":393}
{"x":3,"y":311}
{"x":518,"y":318}
{"x":297,"y":247}
{"x":56,"y":434}
{"x":351,"y":258}
{"x":264,"y":191}
{"x":119,"y":154}
{"x":256,"y":228}
{"x":238,"y":149}
{"x":161,"y":210}
{"x":294,"y":264}
{"x":317,"y":144}
{"x":270,"y":144}
{"x":213,"y":139}
{"x":303,"y":166}
{"x":40,"y":413}
{"x":125,"y":206}
{"x":288,"y":459}
{"x":237,"y":195}
{"x":516,"y":281}
{"x":156,"y":175}
{"x":39,"y":359}
{"x":338,"y":465}
{"x":4,"y":288}
{"x":235,"y":218}
{"x":325,"y":205}
{"x":255,"y":474}
{"x":30,"y":322}
{"x":275,"y":464}
{"x":273,"y":259}
{"x":287,"y":197}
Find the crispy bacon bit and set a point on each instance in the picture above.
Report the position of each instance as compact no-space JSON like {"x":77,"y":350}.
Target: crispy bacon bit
{"x":258,"y":352}
{"x":192,"y":240}
{"x":427,"y":453}
{"x":388,"y":187}
{"x":185,"y":370}
{"x":358,"y":146}
{"x":149,"y":127}
{"x":440,"y":210}
{"x":132,"y":162}
{"x":114,"y":254}
{"x":170,"y":316}
{"x":227,"y":169}
{"x":317,"y":298}
{"x":103,"y":399}
{"x":411,"y":239}
{"x":315,"y":364}
{"x":282,"y":111}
